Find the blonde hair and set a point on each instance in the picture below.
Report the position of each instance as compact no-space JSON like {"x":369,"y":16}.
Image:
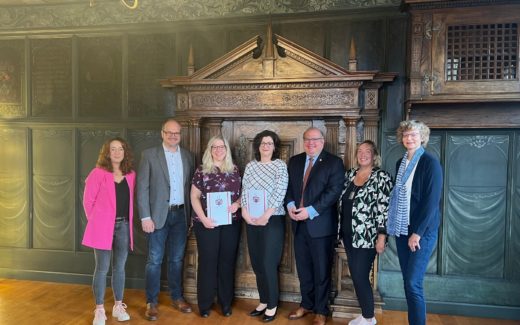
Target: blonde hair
{"x":415,"y":125}
{"x":376,"y":159}
{"x":207,"y":160}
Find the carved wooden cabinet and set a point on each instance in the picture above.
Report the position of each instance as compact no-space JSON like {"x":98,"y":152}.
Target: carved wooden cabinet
{"x":463,"y":51}
{"x":277,"y":85}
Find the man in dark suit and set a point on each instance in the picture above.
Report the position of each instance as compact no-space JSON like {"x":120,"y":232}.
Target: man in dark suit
{"x":315,"y":184}
{"x":163,"y":199}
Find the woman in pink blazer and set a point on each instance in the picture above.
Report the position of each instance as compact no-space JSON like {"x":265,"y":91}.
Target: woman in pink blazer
{"x":108,"y":201}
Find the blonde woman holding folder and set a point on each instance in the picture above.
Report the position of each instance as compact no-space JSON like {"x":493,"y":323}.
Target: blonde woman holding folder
{"x":217,"y":243}
{"x":263,"y":191}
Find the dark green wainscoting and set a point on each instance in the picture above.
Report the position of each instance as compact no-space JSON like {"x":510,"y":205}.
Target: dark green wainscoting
{"x":475,"y":269}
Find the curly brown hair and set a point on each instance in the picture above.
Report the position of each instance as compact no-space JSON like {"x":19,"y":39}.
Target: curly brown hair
{"x":103,"y":161}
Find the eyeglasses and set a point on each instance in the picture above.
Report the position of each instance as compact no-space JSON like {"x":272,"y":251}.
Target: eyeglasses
{"x":218,"y":147}
{"x":168,"y":133}
{"x":414,"y":134}
{"x":312,"y":139}
{"x":267,"y":144}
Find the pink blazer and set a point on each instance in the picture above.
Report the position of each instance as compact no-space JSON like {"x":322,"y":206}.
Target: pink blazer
{"x":99,"y":202}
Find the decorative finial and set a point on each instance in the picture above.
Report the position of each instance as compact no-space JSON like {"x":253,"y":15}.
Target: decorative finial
{"x":352,"y":61}
{"x":269,"y":51}
{"x":191,"y":61}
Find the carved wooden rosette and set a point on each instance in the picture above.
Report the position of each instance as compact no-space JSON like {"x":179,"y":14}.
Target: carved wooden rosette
{"x":280,"y":86}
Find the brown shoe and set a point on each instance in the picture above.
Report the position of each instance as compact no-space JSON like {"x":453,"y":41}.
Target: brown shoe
{"x":319,"y":320}
{"x":298,"y":313}
{"x":151,"y":312}
{"x":181,"y":305}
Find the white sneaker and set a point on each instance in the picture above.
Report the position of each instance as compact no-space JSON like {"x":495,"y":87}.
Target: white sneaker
{"x":368,"y":321}
{"x":360,"y":320}
{"x":356,"y":321}
{"x":120,"y":313}
{"x":99,"y":317}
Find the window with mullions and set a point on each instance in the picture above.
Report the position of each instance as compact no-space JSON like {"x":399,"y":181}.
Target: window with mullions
{"x":482,"y":52}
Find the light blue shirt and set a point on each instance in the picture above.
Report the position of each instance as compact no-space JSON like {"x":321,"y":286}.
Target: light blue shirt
{"x":310,"y":209}
{"x":174,"y":163}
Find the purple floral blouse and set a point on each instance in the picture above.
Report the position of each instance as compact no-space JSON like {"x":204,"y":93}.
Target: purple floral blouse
{"x":217,"y":182}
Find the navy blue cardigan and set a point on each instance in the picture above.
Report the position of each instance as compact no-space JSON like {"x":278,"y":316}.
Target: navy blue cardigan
{"x":426,"y":195}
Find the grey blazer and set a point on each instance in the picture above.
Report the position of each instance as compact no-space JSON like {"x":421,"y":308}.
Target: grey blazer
{"x":153,"y":185}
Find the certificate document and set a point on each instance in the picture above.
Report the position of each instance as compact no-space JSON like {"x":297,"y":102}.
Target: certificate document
{"x":256,"y":202}
{"x":218,"y":203}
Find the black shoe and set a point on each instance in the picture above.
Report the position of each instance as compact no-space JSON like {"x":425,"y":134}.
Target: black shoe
{"x":204,"y":313}
{"x":256,"y":312}
{"x":267,"y":319}
{"x":226,"y":311}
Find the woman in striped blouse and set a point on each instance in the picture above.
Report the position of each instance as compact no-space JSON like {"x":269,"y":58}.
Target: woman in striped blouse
{"x":265,"y":231}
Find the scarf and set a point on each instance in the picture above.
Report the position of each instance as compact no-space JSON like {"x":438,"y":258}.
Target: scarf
{"x":398,"y":209}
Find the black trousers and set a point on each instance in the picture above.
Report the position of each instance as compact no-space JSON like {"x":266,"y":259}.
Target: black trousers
{"x":217,"y":255}
{"x":314,"y":265}
{"x":360,"y":263}
{"x":265,"y":244}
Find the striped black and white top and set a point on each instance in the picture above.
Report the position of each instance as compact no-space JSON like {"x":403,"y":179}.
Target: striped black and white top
{"x":271,"y":177}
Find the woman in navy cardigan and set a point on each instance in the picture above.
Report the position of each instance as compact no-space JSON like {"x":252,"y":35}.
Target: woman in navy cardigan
{"x":414,"y":215}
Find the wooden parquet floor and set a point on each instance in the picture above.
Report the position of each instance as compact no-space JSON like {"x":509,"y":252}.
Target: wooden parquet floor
{"x":45,"y":303}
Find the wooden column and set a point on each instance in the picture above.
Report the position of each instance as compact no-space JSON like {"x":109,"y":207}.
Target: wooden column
{"x":350,"y":141}
{"x":370,"y":113}
{"x":195,"y":138}
{"x":331,"y":138}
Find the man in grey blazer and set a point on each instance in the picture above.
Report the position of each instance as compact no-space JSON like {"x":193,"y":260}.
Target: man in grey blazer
{"x":163,"y":200}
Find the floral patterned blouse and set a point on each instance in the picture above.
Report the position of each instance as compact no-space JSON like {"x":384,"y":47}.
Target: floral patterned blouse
{"x":217,"y":182}
{"x":370,"y":207}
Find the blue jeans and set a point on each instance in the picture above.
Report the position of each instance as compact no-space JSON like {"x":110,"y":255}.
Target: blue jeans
{"x":170,"y":238}
{"x":119,"y":254}
{"x":413,"y":267}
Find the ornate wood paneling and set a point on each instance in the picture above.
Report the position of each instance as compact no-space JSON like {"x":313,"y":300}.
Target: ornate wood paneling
{"x":260,"y":85}
{"x":111,"y":12}
{"x":53,"y":181}
{"x":100,"y":78}
{"x":51,"y":77}
{"x":14,"y":206}
{"x":12,"y":79}
{"x":149,"y":56}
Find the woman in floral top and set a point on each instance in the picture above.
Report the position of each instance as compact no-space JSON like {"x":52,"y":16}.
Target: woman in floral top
{"x":217,"y":245}
{"x":363,"y":209}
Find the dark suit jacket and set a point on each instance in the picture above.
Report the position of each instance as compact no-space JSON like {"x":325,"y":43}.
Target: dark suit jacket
{"x":323,"y":189}
{"x":426,"y":195}
{"x":153,"y":185}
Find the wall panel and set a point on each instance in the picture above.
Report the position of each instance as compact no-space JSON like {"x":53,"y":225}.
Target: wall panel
{"x":14,"y":190}
{"x":51,"y":77}
{"x":53,"y":189}
{"x":100,"y":76}
{"x":475,"y":217}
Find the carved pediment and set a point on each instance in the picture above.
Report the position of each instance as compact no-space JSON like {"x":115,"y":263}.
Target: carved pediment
{"x":277,"y":78}
{"x":287,"y":61}
{"x":274,"y":59}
